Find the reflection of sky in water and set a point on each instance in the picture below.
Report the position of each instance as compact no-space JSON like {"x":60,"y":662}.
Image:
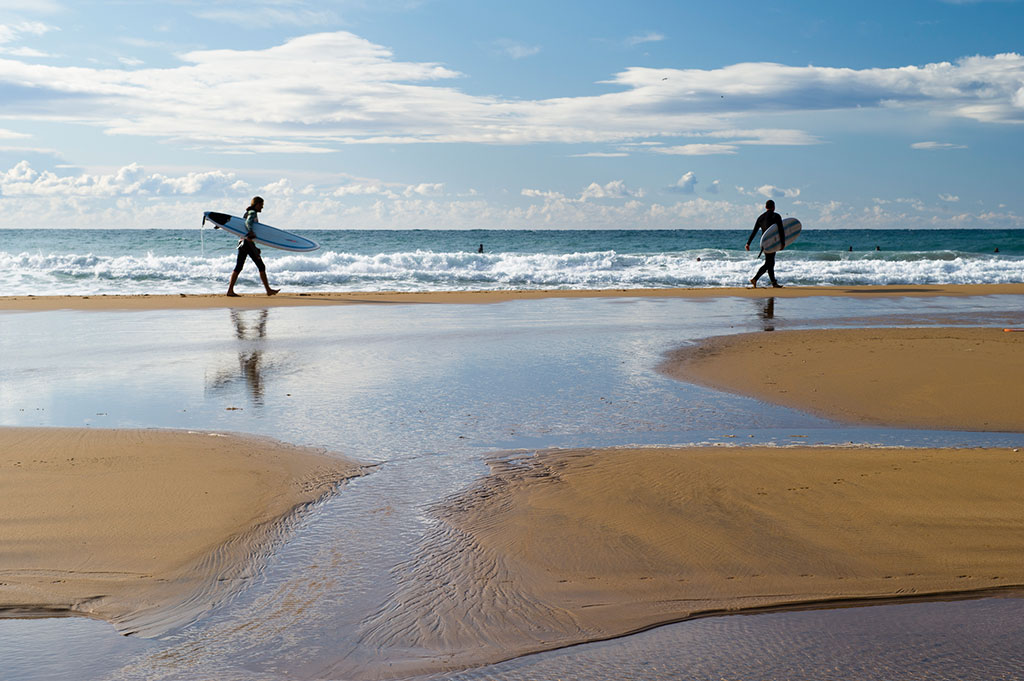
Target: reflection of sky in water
{"x":429,"y":391}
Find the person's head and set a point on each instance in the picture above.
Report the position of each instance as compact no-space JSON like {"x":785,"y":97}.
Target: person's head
{"x":256,"y":203}
{"x":769,"y":204}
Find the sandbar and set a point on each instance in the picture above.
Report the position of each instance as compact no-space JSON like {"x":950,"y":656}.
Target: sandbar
{"x":940,"y":378}
{"x":293,"y":299}
{"x":571,"y":546}
{"x":144,"y":528}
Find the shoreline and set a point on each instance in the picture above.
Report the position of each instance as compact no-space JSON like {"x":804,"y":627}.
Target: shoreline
{"x":287,"y":299}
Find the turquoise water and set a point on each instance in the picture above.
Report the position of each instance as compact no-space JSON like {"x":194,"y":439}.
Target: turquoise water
{"x":84,"y":262}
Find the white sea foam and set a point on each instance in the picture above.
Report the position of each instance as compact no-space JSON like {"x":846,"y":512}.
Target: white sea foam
{"x":83,"y":274}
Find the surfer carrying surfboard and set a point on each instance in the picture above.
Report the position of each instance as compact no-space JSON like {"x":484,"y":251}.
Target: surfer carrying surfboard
{"x":247,"y":248}
{"x":765,"y":220}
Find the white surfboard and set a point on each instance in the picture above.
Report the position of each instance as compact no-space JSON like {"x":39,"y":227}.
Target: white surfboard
{"x":770,"y":239}
{"x":264,"y":234}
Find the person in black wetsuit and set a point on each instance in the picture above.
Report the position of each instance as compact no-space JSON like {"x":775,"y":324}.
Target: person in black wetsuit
{"x":765,"y":220}
{"x":247,"y":248}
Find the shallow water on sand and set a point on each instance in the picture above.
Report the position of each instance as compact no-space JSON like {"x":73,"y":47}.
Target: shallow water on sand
{"x":431,"y":393}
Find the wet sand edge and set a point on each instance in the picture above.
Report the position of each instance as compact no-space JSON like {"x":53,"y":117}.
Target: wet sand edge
{"x":183,"y":301}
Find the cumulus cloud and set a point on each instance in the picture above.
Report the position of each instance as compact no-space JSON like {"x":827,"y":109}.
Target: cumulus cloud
{"x":949,"y":198}
{"x":687,"y":184}
{"x":713,"y":187}
{"x":772,"y":192}
{"x":131,"y":180}
{"x":615,"y":189}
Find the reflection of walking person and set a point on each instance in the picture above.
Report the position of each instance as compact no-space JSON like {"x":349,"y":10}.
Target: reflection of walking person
{"x":247,"y":248}
{"x":765,"y":220}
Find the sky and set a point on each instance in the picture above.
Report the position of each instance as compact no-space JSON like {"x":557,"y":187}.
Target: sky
{"x":420,"y":114}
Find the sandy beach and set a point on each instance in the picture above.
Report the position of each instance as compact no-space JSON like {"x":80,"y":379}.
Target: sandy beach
{"x":143,"y":528}
{"x":561,"y":547}
{"x":942,"y":378}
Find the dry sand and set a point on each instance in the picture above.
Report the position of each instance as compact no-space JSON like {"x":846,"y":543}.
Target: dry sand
{"x":286,"y":299}
{"x":144,"y":528}
{"x":941,"y":378}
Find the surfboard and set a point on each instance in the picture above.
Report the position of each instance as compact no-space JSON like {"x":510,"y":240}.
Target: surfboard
{"x":770,"y":239}
{"x":265,"y":234}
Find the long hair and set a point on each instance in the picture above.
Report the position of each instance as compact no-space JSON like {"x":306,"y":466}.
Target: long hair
{"x":255,"y":200}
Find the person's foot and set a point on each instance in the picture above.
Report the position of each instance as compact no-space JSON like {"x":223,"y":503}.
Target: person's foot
{"x":776,"y":284}
{"x":273,"y":291}
{"x":753,"y":283}
{"x":232,"y":294}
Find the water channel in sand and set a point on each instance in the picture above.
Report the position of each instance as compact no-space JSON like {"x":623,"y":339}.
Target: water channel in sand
{"x":431,"y":393}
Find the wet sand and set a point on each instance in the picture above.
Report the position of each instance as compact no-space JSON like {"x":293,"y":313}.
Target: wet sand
{"x":286,"y":299}
{"x":570,"y":546}
{"x":941,"y":378}
{"x":143,"y":528}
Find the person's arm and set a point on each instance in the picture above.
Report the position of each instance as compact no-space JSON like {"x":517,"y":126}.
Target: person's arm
{"x":757,"y":226}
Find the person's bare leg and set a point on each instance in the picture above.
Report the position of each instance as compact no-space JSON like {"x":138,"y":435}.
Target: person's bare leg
{"x":266,"y":284}
{"x":231,"y":285}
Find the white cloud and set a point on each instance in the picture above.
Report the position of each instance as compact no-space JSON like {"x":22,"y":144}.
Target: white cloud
{"x":319,"y":92}
{"x":131,"y":180}
{"x":13,"y":33}
{"x":542,"y":194}
{"x":772,"y":192}
{"x":687,"y":184}
{"x":600,"y":154}
{"x":697,"y":149}
{"x":32,"y":6}
{"x":273,"y":14}
{"x":936,"y":145}
{"x":615,"y":189}
{"x":515,"y":49}
{"x":649,"y":37}
{"x":949,"y":198}
{"x":425,"y":189}
{"x":713,"y":187}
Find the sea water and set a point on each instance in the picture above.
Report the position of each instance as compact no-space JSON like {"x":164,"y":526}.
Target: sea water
{"x":132,"y":261}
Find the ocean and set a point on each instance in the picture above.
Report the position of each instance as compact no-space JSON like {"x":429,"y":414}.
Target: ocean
{"x":132,"y":261}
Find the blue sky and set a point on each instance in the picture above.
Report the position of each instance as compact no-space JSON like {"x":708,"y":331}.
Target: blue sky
{"x":463,"y":114}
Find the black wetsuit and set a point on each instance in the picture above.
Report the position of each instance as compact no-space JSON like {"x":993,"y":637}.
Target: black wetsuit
{"x":248,"y":248}
{"x":764,"y":221}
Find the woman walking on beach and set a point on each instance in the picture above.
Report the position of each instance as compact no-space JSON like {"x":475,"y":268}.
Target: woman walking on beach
{"x":765,"y":220}
{"x":247,"y":248}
